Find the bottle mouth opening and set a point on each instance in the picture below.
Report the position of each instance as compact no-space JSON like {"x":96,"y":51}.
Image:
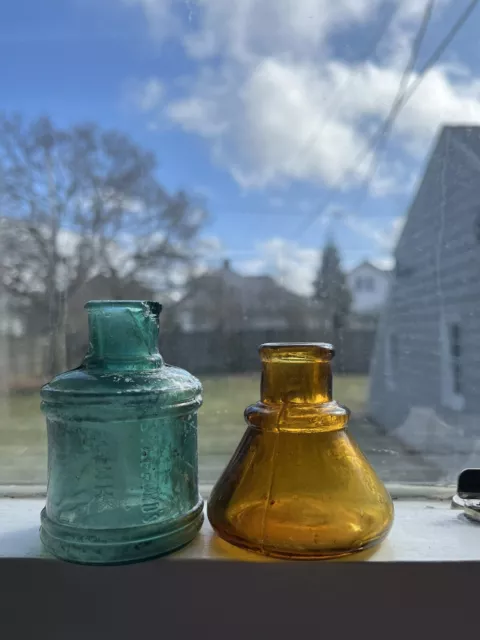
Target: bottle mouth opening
{"x":147,"y":305}
{"x":296,"y":352}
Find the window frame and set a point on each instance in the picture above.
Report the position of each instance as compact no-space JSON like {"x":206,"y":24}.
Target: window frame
{"x":64,"y":600}
{"x":450,"y":397}
{"x":391,"y":359}
{"x":369,"y":284}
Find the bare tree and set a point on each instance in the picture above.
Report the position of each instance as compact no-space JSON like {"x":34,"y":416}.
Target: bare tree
{"x":79,"y":201}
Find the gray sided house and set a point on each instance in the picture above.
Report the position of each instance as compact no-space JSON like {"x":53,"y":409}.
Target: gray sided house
{"x":425,"y":373}
{"x":100,"y":287}
{"x":223,"y":317}
{"x":223,"y":300}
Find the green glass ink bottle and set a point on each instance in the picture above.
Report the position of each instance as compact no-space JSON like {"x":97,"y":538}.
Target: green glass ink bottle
{"x":122,"y":445}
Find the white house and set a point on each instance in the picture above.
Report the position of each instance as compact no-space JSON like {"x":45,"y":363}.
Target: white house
{"x":368,"y":286}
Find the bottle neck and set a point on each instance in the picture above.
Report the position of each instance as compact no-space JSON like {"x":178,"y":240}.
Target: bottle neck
{"x":295,"y":375}
{"x":123,"y":335}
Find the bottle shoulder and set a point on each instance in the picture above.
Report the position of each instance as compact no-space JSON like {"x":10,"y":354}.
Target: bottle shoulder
{"x":328,"y":416}
{"x":84,"y":381}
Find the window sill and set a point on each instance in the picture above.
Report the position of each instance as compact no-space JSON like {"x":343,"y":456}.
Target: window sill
{"x":425,"y":530}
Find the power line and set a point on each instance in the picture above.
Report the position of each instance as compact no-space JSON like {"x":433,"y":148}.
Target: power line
{"x":384,"y":130}
{"x":397,"y":100}
{"x":407,"y":94}
{"x":333,"y":104}
{"x":438,"y":52}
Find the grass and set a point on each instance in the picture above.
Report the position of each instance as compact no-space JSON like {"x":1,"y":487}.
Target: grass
{"x":23,"y":438}
{"x":221,"y":423}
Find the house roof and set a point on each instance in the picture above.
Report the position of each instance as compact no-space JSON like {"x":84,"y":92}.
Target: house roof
{"x":102,"y":287}
{"x":256,"y":291}
{"x":370,"y":265}
{"x":465,"y":138}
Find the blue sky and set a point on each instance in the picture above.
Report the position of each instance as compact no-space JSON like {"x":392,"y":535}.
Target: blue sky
{"x":263,"y":106}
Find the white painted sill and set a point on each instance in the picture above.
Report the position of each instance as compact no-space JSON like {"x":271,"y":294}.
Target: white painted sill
{"x":426,"y":529}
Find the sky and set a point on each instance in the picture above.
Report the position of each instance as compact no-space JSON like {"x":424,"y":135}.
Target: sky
{"x":265,"y":108}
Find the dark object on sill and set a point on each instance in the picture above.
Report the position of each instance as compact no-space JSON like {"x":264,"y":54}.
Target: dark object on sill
{"x":298,"y":487}
{"x":467,"y":497}
{"x":122,"y":445}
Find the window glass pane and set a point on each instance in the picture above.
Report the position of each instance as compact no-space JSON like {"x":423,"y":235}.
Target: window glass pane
{"x":270,"y":171}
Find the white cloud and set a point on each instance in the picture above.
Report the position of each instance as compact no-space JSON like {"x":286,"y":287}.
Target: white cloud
{"x":252,"y":266}
{"x":249,"y":29}
{"x":148,"y":94}
{"x":383,"y":262}
{"x":67,"y":242}
{"x":253,"y":134}
{"x":199,"y":115}
{"x":397,"y":228}
{"x":210,"y":250}
{"x":393,"y":179}
{"x":276,"y":106}
{"x":384,"y":236}
{"x":290,"y":263}
{"x":159,"y":15}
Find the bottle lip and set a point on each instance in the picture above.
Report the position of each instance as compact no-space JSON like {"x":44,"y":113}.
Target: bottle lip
{"x":156,"y":307}
{"x":296,"y":352}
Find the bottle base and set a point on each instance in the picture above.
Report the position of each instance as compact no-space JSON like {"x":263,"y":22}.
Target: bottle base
{"x":301,"y":529}
{"x":106,"y":546}
{"x":307,"y":554}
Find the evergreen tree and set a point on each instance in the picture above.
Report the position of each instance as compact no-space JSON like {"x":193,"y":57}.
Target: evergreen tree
{"x":330,"y":288}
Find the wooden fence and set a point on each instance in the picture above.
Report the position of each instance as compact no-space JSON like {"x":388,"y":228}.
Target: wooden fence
{"x":23,"y":360}
{"x":214,"y":353}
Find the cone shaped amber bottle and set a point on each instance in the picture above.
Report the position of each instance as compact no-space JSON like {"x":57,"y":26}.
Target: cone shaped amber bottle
{"x":298,"y":486}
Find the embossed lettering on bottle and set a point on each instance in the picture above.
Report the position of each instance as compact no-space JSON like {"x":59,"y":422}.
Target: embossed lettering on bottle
{"x":149,"y":472}
{"x":104,"y":475}
{"x":114,"y":424}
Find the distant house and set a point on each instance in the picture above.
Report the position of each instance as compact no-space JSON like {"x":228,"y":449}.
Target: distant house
{"x":225,"y":300}
{"x":425,"y":375}
{"x":368,"y":286}
{"x":100,"y":287}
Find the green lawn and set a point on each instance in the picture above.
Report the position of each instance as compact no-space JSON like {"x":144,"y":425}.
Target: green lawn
{"x":23,"y":441}
{"x":221,"y":421}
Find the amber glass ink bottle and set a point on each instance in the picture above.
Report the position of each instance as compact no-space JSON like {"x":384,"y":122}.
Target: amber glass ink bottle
{"x":298,"y":486}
